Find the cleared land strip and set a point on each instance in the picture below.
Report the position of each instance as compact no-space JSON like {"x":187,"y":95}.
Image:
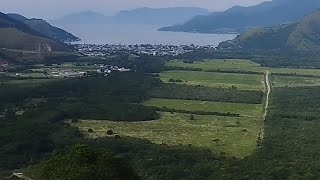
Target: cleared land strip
{"x":243,"y":109}
{"x":268,"y":91}
{"x":266,"y":104}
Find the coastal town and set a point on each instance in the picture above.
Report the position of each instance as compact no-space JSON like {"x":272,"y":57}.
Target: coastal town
{"x":82,"y":69}
{"x":95,"y":50}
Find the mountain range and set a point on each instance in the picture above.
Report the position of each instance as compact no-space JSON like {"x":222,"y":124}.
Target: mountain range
{"x":15,"y":34}
{"x":300,"y":36}
{"x":149,"y":16}
{"x":239,"y":19}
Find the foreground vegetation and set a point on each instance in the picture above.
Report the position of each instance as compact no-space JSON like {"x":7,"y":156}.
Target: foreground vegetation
{"x":122,"y":113}
{"x":175,"y":91}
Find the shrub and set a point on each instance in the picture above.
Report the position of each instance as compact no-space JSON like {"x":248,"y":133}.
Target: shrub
{"x":117,"y":136}
{"x":74,"y":120}
{"x":110,"y":132}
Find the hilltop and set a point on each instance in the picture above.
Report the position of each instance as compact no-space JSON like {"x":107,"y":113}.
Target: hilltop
{"x":45,"y":28}
{"x":148,"y":16}
{"x":300,"y":36}
{"x":239,"y":19}
{"x":15,"y":34}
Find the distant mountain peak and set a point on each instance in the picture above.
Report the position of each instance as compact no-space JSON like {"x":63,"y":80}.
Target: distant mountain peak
{"x":239,"y":19}
{"x":143,"y":15}
{"x":299,"y":36}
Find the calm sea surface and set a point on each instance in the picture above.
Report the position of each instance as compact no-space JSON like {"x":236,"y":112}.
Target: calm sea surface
{"x":134,"y":34}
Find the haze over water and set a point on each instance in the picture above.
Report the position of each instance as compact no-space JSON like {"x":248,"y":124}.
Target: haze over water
{"x":141,"y":34}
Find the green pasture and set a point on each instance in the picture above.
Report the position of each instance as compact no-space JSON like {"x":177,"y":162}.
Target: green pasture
{"x":215,"y":79}
{"x":250,"y":110}
{"x":233,"y":136}
{"x":240,"y":65}
{"x":294,"y":81}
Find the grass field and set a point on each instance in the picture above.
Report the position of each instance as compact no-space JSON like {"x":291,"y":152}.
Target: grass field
{"x":252,"y":110}
{"x":213,"y":79}
{"x":294,"y":81}
{"x":241,"y":65}
{"x":224,"y":64}
{"x":234,"y":136}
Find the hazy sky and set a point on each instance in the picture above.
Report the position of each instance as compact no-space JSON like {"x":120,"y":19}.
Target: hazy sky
{"x":56,"y":8}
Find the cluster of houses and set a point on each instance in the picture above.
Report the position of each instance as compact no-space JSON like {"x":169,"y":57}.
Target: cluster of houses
{"x":68,"y":74}
{"x":95,"y":50}
{"x":108,"y":69}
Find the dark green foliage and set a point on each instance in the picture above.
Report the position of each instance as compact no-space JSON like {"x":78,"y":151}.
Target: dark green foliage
{"x":112,"y":98}
{"x":110,"y":132}
{"x":30,"y":137}
{"x":159,"y":162}
{"x":175,"y":80}
{"x":109,"y":111}
{"x":74,"y":120}
{"x":164,"y":109}
{"x":171,"y":68}
{"x":174,"y":91}
{"x":84,"y":163}
{"x":267,"y":58}
{"x":290,"y":148}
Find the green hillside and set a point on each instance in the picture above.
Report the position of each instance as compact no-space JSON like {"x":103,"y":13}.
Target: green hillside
{"x":45,"y":28}
{"x":14,"y":34}
{"x":301,"y":36}
{"x":11,"y":38}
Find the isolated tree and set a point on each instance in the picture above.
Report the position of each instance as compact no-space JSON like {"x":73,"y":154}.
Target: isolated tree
{"x":110,"y":132}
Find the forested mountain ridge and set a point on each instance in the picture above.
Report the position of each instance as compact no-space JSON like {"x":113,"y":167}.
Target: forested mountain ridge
{"x":15,"y":34}
{"x":8,"y":22}
{"x":45,"y":28}
{"x":301,"y":36}
{"x":239,"y":19}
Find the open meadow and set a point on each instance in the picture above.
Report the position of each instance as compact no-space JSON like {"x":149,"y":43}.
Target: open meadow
{"x":240,"y":65}
{"x":215,"y":79}
{"x":294,"y":81}
{"x":244,"y":109}
{"x":233,"y":136}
